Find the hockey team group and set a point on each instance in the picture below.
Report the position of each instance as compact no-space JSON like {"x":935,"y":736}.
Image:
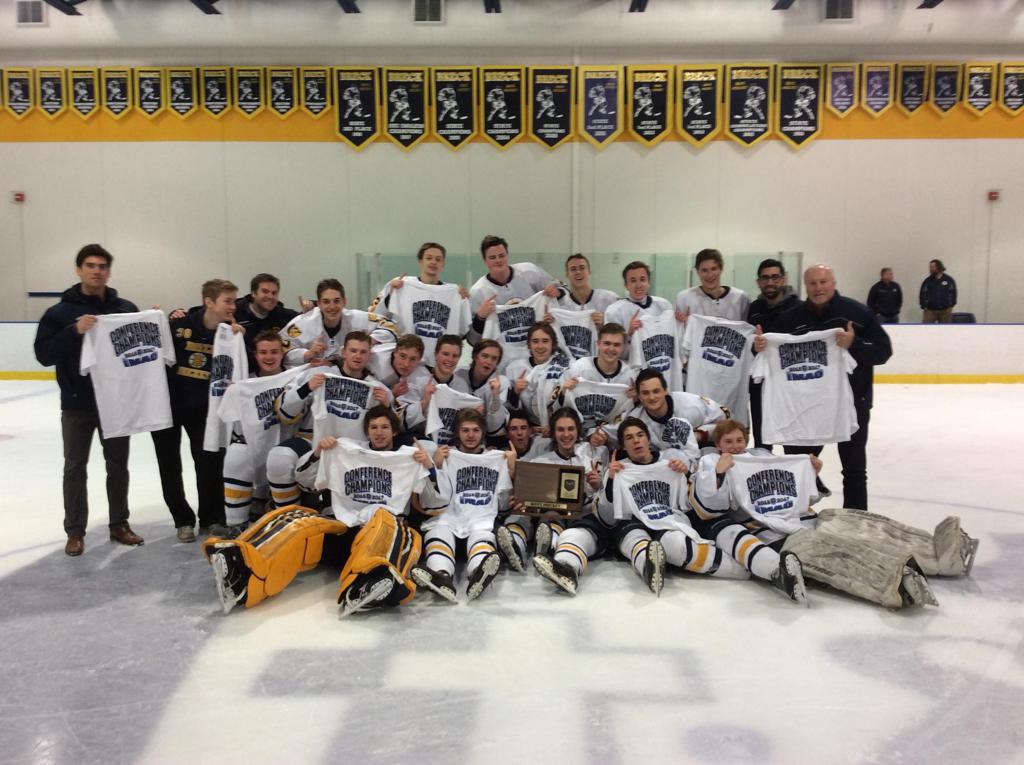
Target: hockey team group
{"x":362,"y":440}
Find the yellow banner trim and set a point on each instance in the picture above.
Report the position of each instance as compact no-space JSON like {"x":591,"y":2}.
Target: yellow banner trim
{"x":159,"y":74}
{"x":829,"y":68}
{"x":993,"y":67}
{"x":932,"y":69}
{"x":92,"y":73}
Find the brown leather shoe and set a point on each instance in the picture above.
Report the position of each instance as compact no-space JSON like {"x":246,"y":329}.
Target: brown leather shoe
{"x":123,"y":533}
{"x":75,"y":545}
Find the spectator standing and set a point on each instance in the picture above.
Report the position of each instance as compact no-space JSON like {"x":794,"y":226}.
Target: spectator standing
{"x":938,"y":295}
{"x":885,"y":298}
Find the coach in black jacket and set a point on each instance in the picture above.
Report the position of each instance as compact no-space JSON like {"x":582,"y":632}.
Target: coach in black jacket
{"x":59,"y":343}
{"x":869,"y":345}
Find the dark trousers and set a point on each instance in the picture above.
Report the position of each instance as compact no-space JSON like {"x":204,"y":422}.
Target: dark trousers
{"x":755,"y":416}
{"x":853,"y":456}
{"x":77,"y":428}
{"x":209,"y":468}
{"x":883,"y":319}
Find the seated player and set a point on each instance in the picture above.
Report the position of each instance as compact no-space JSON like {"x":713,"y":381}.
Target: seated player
{"x":564,"y":448}
{"x":473,"y":484}
{"x":643,"y":518}
{"x":536,"y":379}
{"x":367,"y":537}
{"x":638,"y":302}
{"x":520,"y":435}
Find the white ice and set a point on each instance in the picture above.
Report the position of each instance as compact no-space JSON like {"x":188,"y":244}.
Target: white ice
{"x":123,"y":656}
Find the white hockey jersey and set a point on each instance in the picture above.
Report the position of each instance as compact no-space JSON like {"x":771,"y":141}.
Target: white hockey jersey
{"x":230,"y":364}
{"x":428,"y":311}
{"x":542,"y":380}
{"x":773,"y":490}
{"x":597,"y":403}
{"x":252,"y":404}
{"x":623,"y":310}
{"x":719,"y":357}
{"x":510,"y":324}
{"x":527,"y":279}
{"x":656,"y":345}
{"x":733,"y":304}
{"x":806,"y":399}
{"x":122,"y":353}
{"x":476,"y":487}
{"x":576,"y":331}
{"x":445,"y":403}
{"x":340,"y":404}
{"x":653,"y":494}
{"x":587,"y":369}
{"x":362,"y":480}
{"x":306,"y":328}
{"x":599,"y":300}
{"x":676,"y":429}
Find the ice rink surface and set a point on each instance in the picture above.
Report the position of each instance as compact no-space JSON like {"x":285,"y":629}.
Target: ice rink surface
{"x":123,"y":655}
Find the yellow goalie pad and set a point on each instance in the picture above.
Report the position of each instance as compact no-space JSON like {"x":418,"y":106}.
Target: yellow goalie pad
{"x":385,"y":541}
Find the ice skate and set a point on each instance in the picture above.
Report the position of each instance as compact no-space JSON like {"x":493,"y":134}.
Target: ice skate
{"x":654,"y":567}
{"x":230,"y":574}
{"x":370,"y":594}
{"x":968,"y":551}
{"x":542,"y":539}
{"x":438,"y":582}
{"x":789,"y":578}
{"x":557,"y":572}
{"x":915,"y":589}
{"x":507,"y":545}
{"x":482,"y":577}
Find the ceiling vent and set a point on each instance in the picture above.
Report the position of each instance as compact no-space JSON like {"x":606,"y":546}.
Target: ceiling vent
{"x":30,"y":13}
{"x":428,"y":11}
{"x":838,"y":10}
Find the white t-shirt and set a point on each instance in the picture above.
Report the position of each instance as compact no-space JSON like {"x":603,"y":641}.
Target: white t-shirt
{"x":340,"y":404}
{"x":478,"y":486}
{"x":230,"y":364}
{"x":429,"y":311}
{"x":252,"y":403}
{"x":576,"y":331}
{"x":542,"y":380}
{"x":596,"y":402}
{"x":772,"y":490}
{"x":122,"y":353}
{"x":806,"y":399}
{"x":362,"y":480}
{"x":654,"y":494}
{"x":510,"y":324}
{"x":656,"y":345}
{"x":732,"y":305}
{"x":445,"y":403}
{"x":719,"y":361}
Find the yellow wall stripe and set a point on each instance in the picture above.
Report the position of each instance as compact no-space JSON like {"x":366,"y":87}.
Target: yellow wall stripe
{"x":28,"y":375}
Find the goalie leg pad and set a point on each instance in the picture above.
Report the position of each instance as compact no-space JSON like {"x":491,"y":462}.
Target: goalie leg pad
{"x":385,"y":541}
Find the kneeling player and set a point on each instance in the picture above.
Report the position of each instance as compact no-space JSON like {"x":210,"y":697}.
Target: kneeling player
{"x":367,"y":536}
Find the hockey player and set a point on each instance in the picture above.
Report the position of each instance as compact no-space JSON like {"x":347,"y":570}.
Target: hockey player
{"x":482,"y":380}
{"x":473,"y":484}
{"x":606,"y":367}
{"x":711,"y":297}
{"x":628,"y":311}
{"x":581,"y":296}
{"x":397,"y":365}
{"x":367,"y":537}
{"x":643,"y":517}
{"x":535,"y":380}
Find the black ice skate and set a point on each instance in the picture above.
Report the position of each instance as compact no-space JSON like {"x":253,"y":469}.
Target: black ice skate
{"x":789,"y":578}
{"x":557,"y":572}
{"x":372,"y":593}
{"x":438,"y":582}
{"x":507,"y":545}
{"x":481,"y":579}
{"x":654,"y":567}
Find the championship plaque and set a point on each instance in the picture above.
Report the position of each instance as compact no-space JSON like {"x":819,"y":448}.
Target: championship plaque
{"x":547,"y":488}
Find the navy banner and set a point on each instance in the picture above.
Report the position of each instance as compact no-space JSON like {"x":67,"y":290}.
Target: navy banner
{"x":1011,"y":87}
{"x":405,"y":96}
{"x":281,"y":84}
{"x":947,"y":84}
{"x":798,"y":108}
{"x":357,"y":94}
{"x":181,"y":87}
{"x":649,"y":103}
{"x":84,"y":85}
{"x":51,"y":85}
{"x":699,"y":89}
{"x":842,"y":88}
{"x":454,"y":103}
{"x":600,"y":114}
{"x":215,"y":87}
{"x":912,"y":87}
{"x":749,"y":102}
{"x":316,"y":85}
{"x":117,"y":91}
{"x":18,"y":91}
{"x":878,"y":88}
{"x":551,"y":104}
{"x":150,"y":98}
{"x":249,"y":90}
{"x":502,"y":99}
{"x":981,"y":87}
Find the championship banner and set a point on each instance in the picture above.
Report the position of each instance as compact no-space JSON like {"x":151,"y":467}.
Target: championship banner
{"x":453,"y":90}
{"x":947,"y":83}
{"x":249,"y":90}
{"x":52,"y":87}
{"x":649,"y":103}
{"x":748,"y":101}
{"x":699,"y":88}
{"x":181,"y":84}
{"x":878,"y":89}
{"x":981,"y":87}
{"x":215,"y":89}
{"x":281,"y":86}
{"x":502,"y":104}
{"x":911,"y":87}
{"x":117,"y":91}
{"x":552,"y":98}
{"x":1011,"y":87}
{"x":84,"y":85}
{"x":841,"y":83}
{"x":600,"y":113}
{"x":18,"y":91}
{"x":405,"y":91}
{"x":798,"y":107}
{"x":150,"y":95}
{"x":316,"y":85}
{"x":357,"y":95}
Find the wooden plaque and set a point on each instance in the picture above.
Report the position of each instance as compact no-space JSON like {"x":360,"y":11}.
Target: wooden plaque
{"x":546,"y":488}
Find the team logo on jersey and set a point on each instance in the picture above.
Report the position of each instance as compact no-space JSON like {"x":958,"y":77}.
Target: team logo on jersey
{"x":184,"y":332}
{"x":196,"y":360}
{"x":265,"y":408}
{"x":659,"y":351}
{"x":676,"y":433}
{"x":430,"y":318}
{"x":294,"y":331}
{"x":772,"y":490}
{"x":220,"y":375}
{"x":722,"y":345}
{"x":136,"y":343}
{"x":596,"y":405}
{"x":368,"y":484}
{"x":514,"y":323}
{"x":579,"y":340}
{"x":652,"y":498}
{"x":804,"y":361}
{"x":346,"y":399}
{"x":476,"y":484}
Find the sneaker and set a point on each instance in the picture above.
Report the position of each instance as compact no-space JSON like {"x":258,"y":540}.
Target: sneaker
{"x":186,"y":534}
{"x":370,"y":594}
{"x":230,"y":575}
{"x":654,"y":568}
{"x":542,"y":538}
{"x":482,"y":577}
{"x":122,"y":532}
{"x":438,"y":582}
{"x":561,"y":574}
{"x":789,"y":578}
{"x":968,"y":551}
{"x":915,"y":589}
{"x":823,"y":491}
{"x":507,"y":545}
